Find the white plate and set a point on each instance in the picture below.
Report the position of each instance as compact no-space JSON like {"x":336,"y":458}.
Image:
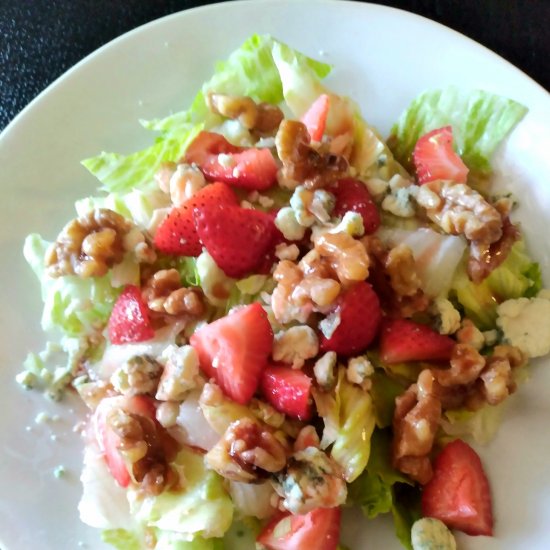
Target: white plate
{"x":382,"y":58}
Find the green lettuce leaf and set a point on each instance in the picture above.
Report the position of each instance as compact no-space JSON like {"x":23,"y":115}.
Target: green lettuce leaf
{"x":480,"y":121}
{"x":517,"y":276}
{"x":168,"y":540}
{"x":73,"y":305}
{"x":384,"y":391}
{"x":119,"y":173}
{"x":349,"y":418}
{"x":405,"y":511}
{"x":251,"y":70}
{"x":121,"y":539}
{"x":202,"y":508}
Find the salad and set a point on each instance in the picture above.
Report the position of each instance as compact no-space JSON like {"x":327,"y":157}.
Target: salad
{"x":273,"y":314}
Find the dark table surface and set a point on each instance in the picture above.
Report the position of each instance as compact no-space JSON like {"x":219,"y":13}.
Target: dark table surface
{"x":41,"y":39}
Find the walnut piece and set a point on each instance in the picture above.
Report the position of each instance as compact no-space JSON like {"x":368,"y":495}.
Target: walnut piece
{"x":302,"y":163}
{"x":401,"y":267}
{"x":89,"y":245}
{"x":415,"y":423}
{"x":459,"y":210}
{"x":164,"y":294}
{"x":147,"y":448}
{"x":263,"y":118}
{"x":248,"y":451}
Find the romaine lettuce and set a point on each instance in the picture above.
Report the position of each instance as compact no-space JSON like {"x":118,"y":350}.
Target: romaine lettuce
{"x":480,"y":121}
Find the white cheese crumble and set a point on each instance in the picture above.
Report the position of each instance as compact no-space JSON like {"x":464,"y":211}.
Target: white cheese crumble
{"x":431,"y":534}
{"x":448,"y":316}
{"x":358,"y":371}
{"x":295,"y":345}
{"x":324,"y":370}
{"x":352,"y":224}
{"x":288,"y":225}
{"x":285,"y":251}
{"x":525,"y":323}
{"x":180,"y":373}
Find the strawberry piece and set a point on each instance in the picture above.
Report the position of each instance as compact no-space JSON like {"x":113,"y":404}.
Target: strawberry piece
{"x":108,"y":441}
{"x":237,"y":238}
{"x":288,"y":390}
{"x":353,"y":196}
{"x":177,"y":233}
{"x":435,"y":159}
{"x":250,"y":168}
{"x":129,"y":320}
{"x":358,"y":309}
{"x":234,"y":350}
{"x":316,"y":530}
{"x":403,"y":340}
{"x":315,"y":117}
{"x":459,"y":494}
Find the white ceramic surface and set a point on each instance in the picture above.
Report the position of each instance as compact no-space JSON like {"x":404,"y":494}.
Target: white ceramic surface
{"x":382,"y":58}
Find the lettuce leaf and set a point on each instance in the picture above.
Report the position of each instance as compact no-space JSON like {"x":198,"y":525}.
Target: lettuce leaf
{"x":119,"y":173}
{"x":517,"y":276}
{"x":251,"y":70}
{"x":349,"y":418}
{"x":168,"y":540}
{"x":121,"y":539}
{"x":480,"y":121}
{"x":201,"y":508}
{"x":405,"y":511}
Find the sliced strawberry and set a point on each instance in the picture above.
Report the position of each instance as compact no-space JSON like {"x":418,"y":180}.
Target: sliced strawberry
{"x":129,"y":320}
{"x":359,"y":314}
{"x":234,"y":350}
{"x":435,"y":159}
{"x":353,"y":196}
{"x":177,"y":233}
{"x":288,"y":390}
{"x":459,"y":494}
{"x":317,"y":530}
{"x":404,"y":340}
{"x":207,"y":144}
{"x":237,"y":238}
{"x":108,"y":441}
{"x":315,"y":117}
{"x":250,"y":168}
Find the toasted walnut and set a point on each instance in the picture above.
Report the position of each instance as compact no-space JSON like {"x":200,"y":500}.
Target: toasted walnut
{"x":484,"y":257}
{"x":393,"y":276}
{"x":147,"y":447}
{"x":401,"y":267}
{"x":415,"y":423}
{"x":303,"y":163}
{"x":311,"y":480}
{"x":307,"y":437}
{"x":89,"y":245}
{"x":263,"y":118}
{"x":466,"y":366}
{"x":247,"y":452}
{"x":470,"y":334}
{"x":139,"y":375}
{"x":346,"y":256}
{"x":459,"y":210}
{"x":497,"y":377}
{"x":164,"y":294}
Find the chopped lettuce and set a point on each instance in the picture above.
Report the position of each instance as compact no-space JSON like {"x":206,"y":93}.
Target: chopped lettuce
{"x":405,"y":511}
{"x":201,"y":508}
{"x":349,"y":419}
{"x":384,"y":391}
{"x":121,"y":539}
{"x":120,"y":173}
{"x":480,"y":425}
{"x":480,"y":121}
{"x":517,"y":276}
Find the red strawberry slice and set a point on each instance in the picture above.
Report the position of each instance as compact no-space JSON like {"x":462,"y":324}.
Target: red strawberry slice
{"x":353,"y":196}
{"x":177,"y":233}
{"x":108,"y":441}
{"x":459,"y":494}
{"x":234,"y":350}
{"x":435,"y":159}
{"x":129,"y":320}
{"x":404,"y":340}
{"x":316,"y":530}
{"x":250,"y":168}
{"x":288,"y":390}
{"x":315,"y":117}
{"x":358,"y":310}
{"x":237,"y":238}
